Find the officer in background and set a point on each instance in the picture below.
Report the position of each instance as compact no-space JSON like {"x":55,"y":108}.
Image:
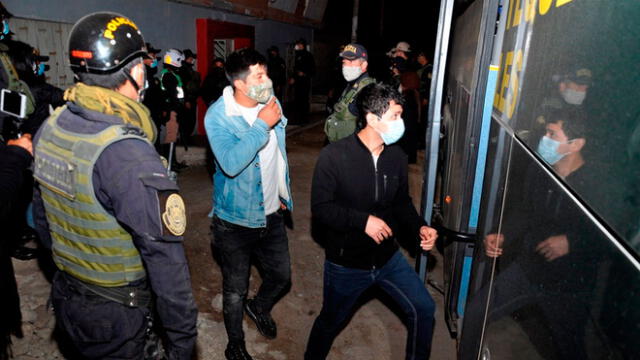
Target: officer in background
{"x":15,"y":158}
{"x":15,"y":227}
{"x":106,"y":207}
{"x":214,"y":83}
{"x":304,"y":68}
{"x":173,"y":93}
{"x":191,"y":79}
{"x":10,"y":80}
{"x":276,"y":70}
{"x":25,"y":60}
{"x":342,"y":121}
{"x":153,"y":98}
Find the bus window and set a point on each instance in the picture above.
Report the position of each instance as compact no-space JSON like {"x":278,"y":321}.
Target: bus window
{"x":568,"y":88}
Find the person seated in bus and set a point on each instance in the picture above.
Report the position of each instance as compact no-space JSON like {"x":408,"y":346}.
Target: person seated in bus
{"x":572,"y":90}
{"x":552,"y":252}
{"x":560,"y":147}
{"x":568,"y":93}
{"x":360,"y":196}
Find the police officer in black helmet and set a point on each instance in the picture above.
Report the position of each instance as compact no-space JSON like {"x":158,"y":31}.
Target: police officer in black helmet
{"x":106,"y":207}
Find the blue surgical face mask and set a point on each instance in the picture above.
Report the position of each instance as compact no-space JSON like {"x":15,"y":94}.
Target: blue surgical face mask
{"x":395,"y":130}
{"x":548,"y":150}
{"x":154,"y":64}
{"x":5,"y":29}
{"x":41,"y":69}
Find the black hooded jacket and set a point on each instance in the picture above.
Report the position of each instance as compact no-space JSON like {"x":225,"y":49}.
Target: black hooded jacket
{"x":347,"y":188}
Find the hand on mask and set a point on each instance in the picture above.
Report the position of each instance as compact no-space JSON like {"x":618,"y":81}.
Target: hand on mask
{"x":270,"y":113}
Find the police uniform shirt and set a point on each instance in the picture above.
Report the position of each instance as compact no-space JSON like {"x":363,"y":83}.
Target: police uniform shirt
{"x":131,"y":183}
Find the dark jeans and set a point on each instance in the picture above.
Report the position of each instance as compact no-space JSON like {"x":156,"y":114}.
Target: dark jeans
{"x":237,"y":245}
{"x":343,"y":286}
{"x":99,"y":328}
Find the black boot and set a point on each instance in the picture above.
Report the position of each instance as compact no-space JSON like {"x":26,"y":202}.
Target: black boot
{"x":237,"y":351}
{"x":264,"y":321}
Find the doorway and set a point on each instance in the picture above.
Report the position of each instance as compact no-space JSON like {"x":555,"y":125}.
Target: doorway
{"x":218,"y":39}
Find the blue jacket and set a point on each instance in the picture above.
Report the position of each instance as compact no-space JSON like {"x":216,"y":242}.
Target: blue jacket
{"x":237,"y":196}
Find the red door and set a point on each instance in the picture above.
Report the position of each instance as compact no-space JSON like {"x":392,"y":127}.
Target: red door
{"x":208,"y":31}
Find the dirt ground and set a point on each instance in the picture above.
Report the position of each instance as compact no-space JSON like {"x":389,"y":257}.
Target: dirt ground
{"x":375,"y":332}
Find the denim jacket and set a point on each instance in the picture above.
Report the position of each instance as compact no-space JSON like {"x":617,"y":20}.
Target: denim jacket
{"x":237,"y":196}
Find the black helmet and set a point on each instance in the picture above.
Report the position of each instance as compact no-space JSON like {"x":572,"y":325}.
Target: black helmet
{"x":103,"y":42}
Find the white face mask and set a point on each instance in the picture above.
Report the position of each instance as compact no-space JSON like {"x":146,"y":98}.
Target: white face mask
{"x":351,"y":73}
{"x":573,"y":97}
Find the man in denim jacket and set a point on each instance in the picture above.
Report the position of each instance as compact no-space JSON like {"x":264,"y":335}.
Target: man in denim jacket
{"x":246,"y":131}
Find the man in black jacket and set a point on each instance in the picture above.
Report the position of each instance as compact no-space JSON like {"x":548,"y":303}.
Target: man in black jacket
{"x":360,"y":195}
{"x":15,"y":158}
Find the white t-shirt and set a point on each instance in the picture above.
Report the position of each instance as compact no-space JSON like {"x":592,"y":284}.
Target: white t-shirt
{"x":269,"y":155}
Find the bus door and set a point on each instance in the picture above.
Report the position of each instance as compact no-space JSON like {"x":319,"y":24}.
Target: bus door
{"x":463,"y":148}
{"x":556,"y":271}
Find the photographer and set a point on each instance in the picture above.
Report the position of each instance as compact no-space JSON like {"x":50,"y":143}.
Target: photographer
{"x":15,"y":158}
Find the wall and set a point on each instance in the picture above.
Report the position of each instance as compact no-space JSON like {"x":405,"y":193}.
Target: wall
{"x":164,"y":24}
{"x":300,"y":12}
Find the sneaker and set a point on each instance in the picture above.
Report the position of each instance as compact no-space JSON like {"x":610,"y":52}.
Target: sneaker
{"x":264,"y":321}
{"x":24,"y":253}
{"x":237,"y":351}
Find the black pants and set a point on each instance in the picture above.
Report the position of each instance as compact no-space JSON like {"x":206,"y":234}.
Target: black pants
{"x":302,"y":92}
{"x":236,"y":246}
{"x":98,"y":328}
{"x":187,"y":124}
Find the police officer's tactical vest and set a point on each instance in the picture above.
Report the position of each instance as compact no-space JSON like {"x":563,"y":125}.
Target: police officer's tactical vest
{"x":88,"y":242}
{"x":179,"y":89}
{"x":342,"y":123}
{"x":11,"y":81}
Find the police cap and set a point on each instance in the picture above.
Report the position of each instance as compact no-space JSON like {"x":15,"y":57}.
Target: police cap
{"x":354,"y":51}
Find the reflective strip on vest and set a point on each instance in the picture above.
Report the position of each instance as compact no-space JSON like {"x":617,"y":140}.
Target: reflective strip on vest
{"x":179,"y":90}
{"x":88,"y":242}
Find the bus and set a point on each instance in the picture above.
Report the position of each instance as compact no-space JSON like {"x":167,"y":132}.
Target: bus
{"x":532,"y":177}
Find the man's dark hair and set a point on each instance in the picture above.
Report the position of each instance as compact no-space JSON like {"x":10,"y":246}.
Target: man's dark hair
{"x":375,"y":99}
{"x":571,"y":121}
{"x":110,"y":81}
{"x":238,"y":63}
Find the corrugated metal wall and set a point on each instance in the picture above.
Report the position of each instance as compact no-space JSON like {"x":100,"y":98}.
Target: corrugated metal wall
{"x":51,"y":39}
{"x":163,"y":23}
